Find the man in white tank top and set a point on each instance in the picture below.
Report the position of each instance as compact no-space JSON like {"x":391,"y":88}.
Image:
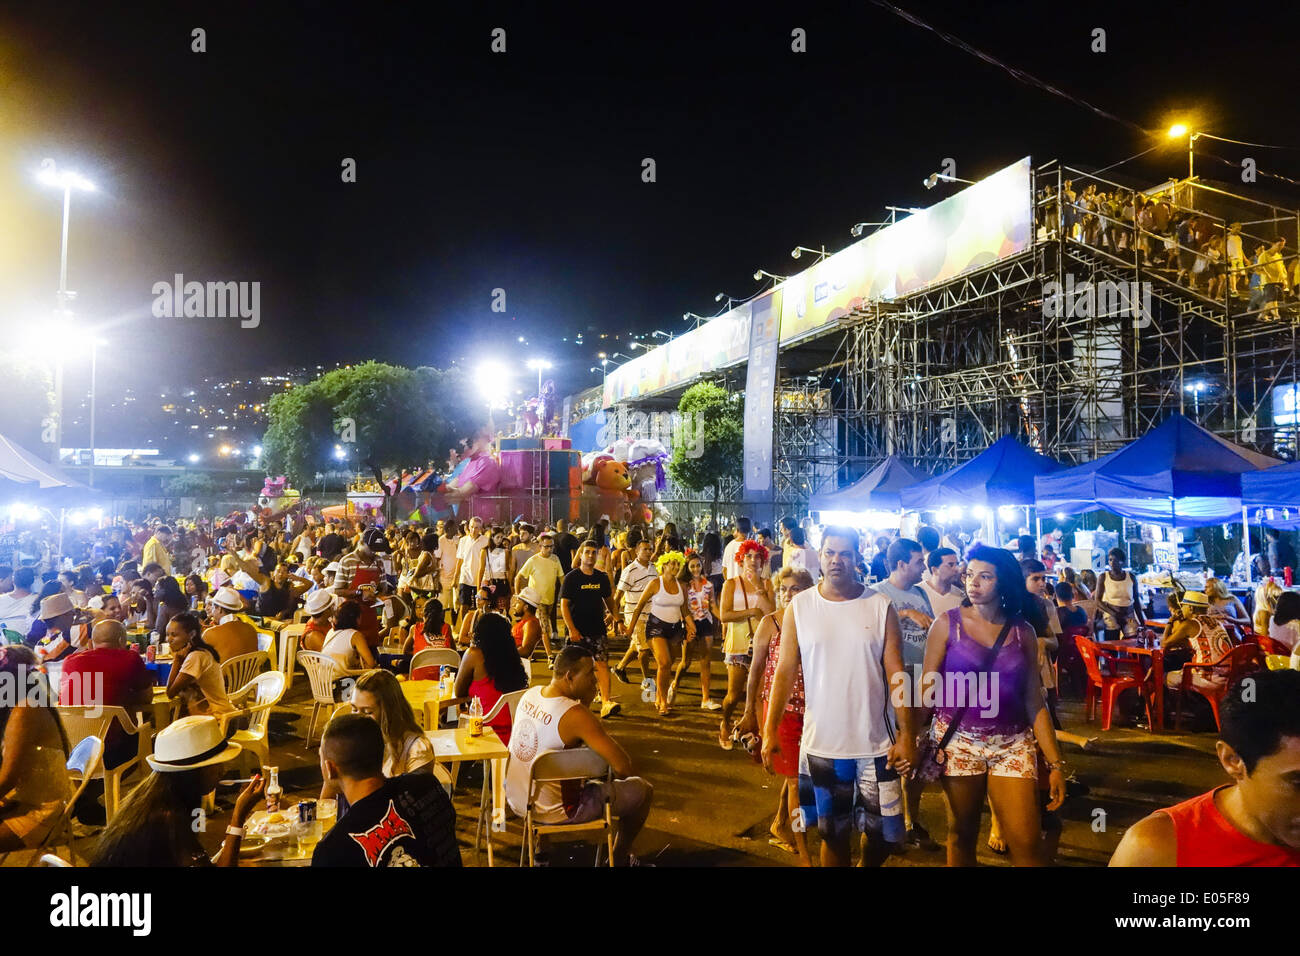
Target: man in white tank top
{"x":556,"y":717}
{"x":847,"y":638}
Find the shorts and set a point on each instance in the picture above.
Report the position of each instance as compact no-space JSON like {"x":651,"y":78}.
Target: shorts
{"x":1129,"y":623}
{"x":738,"y":660}
{"x":637,"y":639}
{"x":546,"y":618}
{"x":846,"y":794}
{"x":598,"y":644}
{"x":465,"y":594}
{"x":626,"y":796}
{"x":970,"y":754}
{"x":704,"y":628}
{"x":789,"y":733}
{"x":664,"y":629}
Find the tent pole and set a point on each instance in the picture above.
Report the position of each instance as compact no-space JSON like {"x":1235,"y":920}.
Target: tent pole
{"x":1245,"y":539}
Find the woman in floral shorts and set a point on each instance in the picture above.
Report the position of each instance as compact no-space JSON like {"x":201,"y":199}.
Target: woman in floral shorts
{"x":1003,"y":713}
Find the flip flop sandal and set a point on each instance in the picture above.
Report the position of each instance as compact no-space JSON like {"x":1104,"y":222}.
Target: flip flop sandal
{"x":781,"y":845}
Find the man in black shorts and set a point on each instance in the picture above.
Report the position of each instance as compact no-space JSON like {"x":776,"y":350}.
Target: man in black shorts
{"x":584,"y":598}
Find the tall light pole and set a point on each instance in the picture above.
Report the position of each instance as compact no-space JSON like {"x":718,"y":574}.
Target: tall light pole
{"x":95,"y":343}
{"x":539,"y":364}
{"x":67,"y":180}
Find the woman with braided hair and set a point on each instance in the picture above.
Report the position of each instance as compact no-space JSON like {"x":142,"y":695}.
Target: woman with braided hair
{"x":670,"y":621}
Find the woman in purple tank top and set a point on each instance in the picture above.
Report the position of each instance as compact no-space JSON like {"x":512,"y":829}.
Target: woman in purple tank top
{"x":1001,"y":707}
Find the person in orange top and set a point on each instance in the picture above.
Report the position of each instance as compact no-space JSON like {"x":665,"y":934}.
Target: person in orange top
{"x":1253,"y":821}
{"x":320,"y":612}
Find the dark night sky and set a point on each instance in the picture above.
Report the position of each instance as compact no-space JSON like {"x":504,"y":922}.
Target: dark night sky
{"x":522,"y":171}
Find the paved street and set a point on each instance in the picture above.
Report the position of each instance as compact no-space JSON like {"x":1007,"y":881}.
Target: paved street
{"x":713,"y":808}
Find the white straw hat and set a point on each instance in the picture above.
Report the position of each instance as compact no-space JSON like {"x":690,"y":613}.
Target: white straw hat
{"x":190,"y":743}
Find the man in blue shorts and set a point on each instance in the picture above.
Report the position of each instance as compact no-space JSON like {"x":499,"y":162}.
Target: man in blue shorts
{"x":847,"y":638}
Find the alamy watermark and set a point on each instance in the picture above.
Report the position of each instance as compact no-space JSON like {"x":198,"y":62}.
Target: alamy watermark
{"x":208,"y":300}
{"x":28,"y":685}
{"x":1098,"y":300}
{"x":975,"y":691}
{"x":671,"y":429}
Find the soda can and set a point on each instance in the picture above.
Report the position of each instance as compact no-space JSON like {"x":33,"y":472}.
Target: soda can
{"x":306,"y":811}
{"x":151,"y":653}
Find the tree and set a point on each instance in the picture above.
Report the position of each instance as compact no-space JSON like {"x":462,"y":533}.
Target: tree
{"x":710,"y":446}
{"x":386,"y":414}
{"x":189,"y":486}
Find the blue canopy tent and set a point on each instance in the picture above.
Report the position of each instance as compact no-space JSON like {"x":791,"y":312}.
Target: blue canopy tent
{"x":1177,"y":474}
{"x":877,"y":490}
{"x":1274,"y":495}
{"x":1002,"y":474}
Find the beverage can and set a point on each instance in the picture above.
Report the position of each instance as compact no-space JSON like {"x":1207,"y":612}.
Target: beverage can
{"x":151,"y":653}
{"x":306,"y":811}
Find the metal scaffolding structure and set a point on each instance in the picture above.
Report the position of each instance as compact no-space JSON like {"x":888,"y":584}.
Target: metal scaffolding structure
{"x":937,"y":376}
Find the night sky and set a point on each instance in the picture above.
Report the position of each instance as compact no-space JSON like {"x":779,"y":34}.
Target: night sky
{"x":522,"y":171}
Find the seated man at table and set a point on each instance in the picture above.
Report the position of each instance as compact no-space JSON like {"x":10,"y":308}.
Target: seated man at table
{"x":107,"y":674}
{"x":556,"y":717}
{"x":402,"y":821}
{"x":1251,"y":821}
{"x":1194,"y":635}
{"x":231,"y":635}
{"x":320,"y":610}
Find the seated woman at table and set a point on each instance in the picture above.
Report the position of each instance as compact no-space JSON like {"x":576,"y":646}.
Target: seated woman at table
{"x":195,"y":677}
{"x":469,"y":620}
{"x":490,"y":668}
{"x":155,"y":824}
{"x":196,"y":591}
{"x":34,"y":750}
{"x":1284,"y":625}
{"x":433,"y":631}
{"x":345,"y":643}
{"x":169,"y":601}
{"x":1224,"y":603}
{"x":1266,"y":596}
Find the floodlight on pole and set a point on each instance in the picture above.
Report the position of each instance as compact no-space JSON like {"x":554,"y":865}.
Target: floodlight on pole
{"x":760,"y":273}
{"x":929,"y":182}
{"x":797,"y":251}
{"x":540,"y":365}
{"x":493,"y":383}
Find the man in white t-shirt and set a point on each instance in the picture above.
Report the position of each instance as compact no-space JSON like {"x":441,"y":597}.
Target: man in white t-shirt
{"x":467,"y":560}
{"x":846,"y":638}
{"x":544,"y":574}
{"x":448,"y":540}
{"x":739,"y":534}
{"x":941,"y":585}
{"x":637,"y":574}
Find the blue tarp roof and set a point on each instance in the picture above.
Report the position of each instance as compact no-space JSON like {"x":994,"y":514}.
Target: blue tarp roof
{"x":1176,"y":474}
{"x":1002,"y":474}
{"x":1272,"y":488}
{"x":877,"y":490}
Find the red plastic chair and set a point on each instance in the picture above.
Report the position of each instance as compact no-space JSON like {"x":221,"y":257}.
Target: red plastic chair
{"x":1106,"y":687}
{"x":1242,"y":659}
{"x":1270,"y":646}
{"x":1068,"y":661}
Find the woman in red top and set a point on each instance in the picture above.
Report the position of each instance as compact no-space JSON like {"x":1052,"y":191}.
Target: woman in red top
{"x":1253,"y":821}
{"x":790,"y":581}
{"x":433,"y":631}
{"x":490,"y":668}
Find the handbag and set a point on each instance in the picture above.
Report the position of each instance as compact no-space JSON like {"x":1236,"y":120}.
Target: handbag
{"x":930,"y":759}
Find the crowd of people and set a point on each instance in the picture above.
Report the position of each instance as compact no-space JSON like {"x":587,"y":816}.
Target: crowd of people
{"x":1222,"y":262}
{"x":844,"y":664}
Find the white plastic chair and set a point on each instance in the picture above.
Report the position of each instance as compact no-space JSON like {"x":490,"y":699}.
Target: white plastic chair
{"x":322,"y":672}
{"x":85,"y":761}
{"x":51,"y":859}
{"x":266,"y":642}
{"x":239,"y":670}
{"x":435,"y":657}
{"x":511,"y":701}
{"x":265,"y":691}
{"x":580,"y":764}
{"x":290,"y":641}
{"x":83,"y":722}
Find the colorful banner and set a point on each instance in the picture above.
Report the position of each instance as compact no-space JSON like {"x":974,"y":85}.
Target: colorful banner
{"x":760,"y":392}
{"x":979,"y":225}
{"x":715,"y":345}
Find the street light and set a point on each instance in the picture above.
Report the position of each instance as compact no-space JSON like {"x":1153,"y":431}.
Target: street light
{"x":759,"y":273}
{"x":67,"y":180}
{"x":1196,"y":388}
{"x":539,"y":364}
{"x":929,"y":182}
{"x":797,"y":251}
{"x":731,"y":299}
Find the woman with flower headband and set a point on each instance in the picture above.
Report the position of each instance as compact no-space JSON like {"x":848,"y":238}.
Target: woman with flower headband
{"x":704,"y":612}
{"x":669,"y":622}
{"x":746,"y":598}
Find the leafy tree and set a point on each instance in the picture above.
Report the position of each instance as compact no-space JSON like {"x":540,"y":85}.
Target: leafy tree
{"x":190,"y":486}
{"x":386,"y":414}
{"x":711,"y":445}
